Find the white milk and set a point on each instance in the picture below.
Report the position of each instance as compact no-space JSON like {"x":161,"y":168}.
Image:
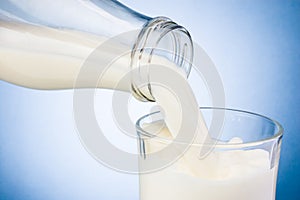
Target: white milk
{"x":222,"y":175}
{"x":45,"y":58}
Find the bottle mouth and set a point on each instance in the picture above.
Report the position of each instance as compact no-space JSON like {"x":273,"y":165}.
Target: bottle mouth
{"x":163,"y":37}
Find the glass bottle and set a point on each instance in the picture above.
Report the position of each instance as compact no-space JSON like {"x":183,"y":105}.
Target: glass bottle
{"x":44,"y":44}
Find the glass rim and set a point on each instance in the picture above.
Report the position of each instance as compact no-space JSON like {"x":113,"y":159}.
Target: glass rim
{"x":276,"y":136}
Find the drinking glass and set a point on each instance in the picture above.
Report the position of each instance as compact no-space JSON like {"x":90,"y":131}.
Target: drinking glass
{"x":242,"y":164}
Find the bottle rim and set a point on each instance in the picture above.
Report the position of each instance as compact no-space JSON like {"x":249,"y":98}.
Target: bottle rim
{"x":147,"y":41}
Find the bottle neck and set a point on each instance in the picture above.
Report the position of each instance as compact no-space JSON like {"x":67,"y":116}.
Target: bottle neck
{"x":164,"y":38}
{"x":105,"y":18}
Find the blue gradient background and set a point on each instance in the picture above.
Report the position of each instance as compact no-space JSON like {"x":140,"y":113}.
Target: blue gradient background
{"x":256,"y":48}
